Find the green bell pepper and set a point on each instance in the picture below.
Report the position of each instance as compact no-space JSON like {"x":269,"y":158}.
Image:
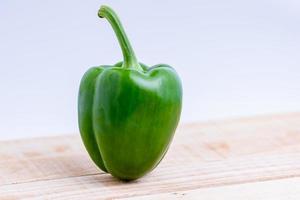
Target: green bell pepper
{"x":128,"y":112}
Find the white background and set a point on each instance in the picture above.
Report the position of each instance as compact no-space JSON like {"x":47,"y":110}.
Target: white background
{"x":235,"y":58}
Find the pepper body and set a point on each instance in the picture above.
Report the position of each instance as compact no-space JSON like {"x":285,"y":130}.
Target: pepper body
{"x":128,"y":113}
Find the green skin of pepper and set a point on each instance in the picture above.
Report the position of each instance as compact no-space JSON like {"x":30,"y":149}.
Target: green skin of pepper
{"x":128,"y":113}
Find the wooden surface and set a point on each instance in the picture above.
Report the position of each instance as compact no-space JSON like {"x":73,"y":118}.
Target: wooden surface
{"x":248,"y":158}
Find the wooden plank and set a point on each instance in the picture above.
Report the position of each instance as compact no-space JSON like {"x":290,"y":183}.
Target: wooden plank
{"x":202,"y":155}
{"x":268,"y":190}
{"x":43,"y":159}
{"x":164,"y":179}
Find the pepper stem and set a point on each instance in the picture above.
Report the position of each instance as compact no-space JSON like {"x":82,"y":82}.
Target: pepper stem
{"x":130,"y":60}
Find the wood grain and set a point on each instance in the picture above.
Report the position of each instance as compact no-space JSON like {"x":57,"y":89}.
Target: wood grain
{"x":204,"y":158}
{"x":269,"y":190}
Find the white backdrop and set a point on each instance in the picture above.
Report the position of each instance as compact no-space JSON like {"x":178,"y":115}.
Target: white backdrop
{"x":235,"y":58}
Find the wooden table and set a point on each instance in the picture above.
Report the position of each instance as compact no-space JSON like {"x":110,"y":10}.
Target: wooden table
{"x":248,"y":158}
